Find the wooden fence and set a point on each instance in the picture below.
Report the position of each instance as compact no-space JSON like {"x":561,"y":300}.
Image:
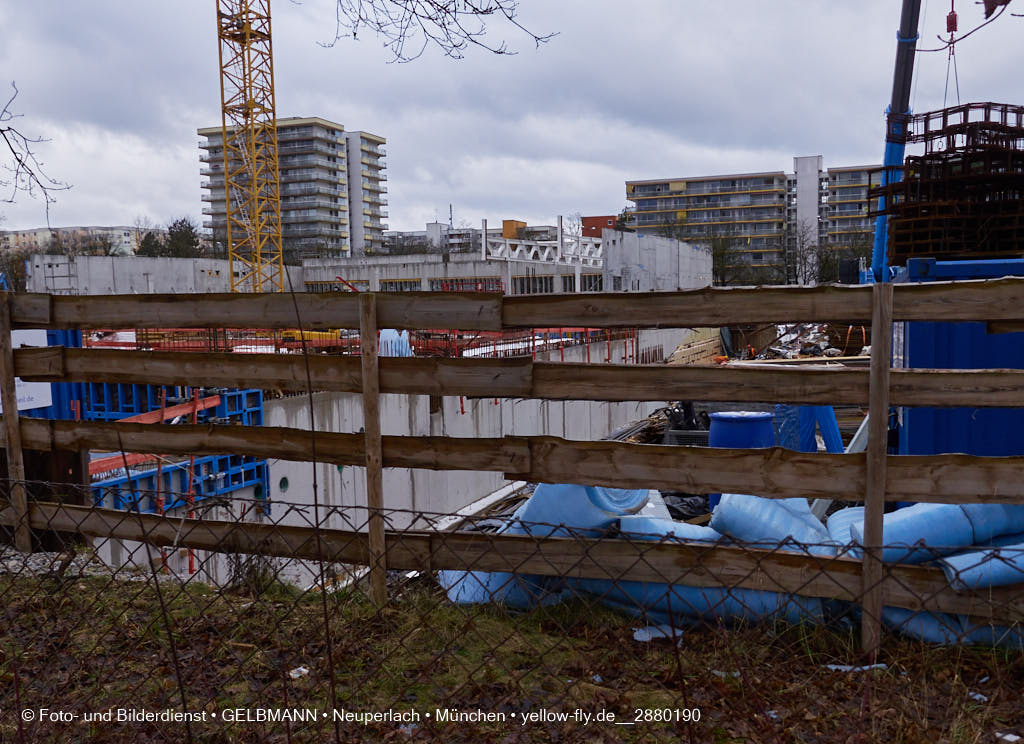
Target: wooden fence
{"x":873,"y":476}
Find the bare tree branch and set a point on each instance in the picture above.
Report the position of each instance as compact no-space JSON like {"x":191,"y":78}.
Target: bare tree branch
{"x":20,"y":170}
{"x":408,"y":27}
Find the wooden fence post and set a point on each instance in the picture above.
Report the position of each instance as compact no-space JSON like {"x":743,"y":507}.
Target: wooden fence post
{"x":12,"y":428}
{"x":878,"y":439}
{"x":374,"y":459}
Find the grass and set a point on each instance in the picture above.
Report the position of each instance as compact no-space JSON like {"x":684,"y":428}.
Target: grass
{"x":92,"y":643}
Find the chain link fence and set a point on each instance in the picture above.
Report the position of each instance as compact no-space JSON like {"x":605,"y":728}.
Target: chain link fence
{"x":252,"y":623}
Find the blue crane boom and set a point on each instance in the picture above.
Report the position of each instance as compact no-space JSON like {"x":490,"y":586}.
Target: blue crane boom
{"x":897,"y":117}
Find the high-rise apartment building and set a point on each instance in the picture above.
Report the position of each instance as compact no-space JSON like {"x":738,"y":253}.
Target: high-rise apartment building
{"x":847,"y":221}
{"x":367,"y":191}
{"x":759,"y":215}
{"x":331,"y":183}
{"x":748,"y":209}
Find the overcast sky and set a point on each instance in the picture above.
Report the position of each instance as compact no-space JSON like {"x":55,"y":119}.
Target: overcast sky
{"x":626,"y":90}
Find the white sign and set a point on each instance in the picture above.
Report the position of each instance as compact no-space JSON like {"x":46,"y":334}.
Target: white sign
{"x":30,"y":394}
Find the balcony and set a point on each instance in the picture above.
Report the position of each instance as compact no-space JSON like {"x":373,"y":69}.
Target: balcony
{"x":312,"y":201}
{"x":306,"y":230}
{"x":292,"y":161}
{"x":295,"y":133}
{"x":288,"y":148}
{"x":309,"y":174}
{"x":314,"y":189}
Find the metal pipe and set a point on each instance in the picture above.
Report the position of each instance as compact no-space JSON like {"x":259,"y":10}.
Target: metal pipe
{"x":897,"y":118}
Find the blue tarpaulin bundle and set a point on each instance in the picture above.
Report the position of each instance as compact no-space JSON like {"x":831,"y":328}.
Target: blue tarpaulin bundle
{"x":909,"y":534}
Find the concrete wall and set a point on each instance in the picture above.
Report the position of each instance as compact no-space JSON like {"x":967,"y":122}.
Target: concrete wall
{"x":410,"y":415}
{"x":341,"y":491}
{"x":95,"y":275}
{"x":646,"y":263}
{"x":808,"y":171}
{"x":429,"y":266}
{"x":641,"y":263}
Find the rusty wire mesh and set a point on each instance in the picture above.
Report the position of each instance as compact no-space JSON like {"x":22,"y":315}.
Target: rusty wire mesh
{"x":110,"y":639}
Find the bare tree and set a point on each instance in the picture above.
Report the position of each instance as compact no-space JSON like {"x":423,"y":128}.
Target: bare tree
{"x":572,"y":225}
{"x":803,"y":253}
{"x":408,"y":27}
{"x":142,"y":225}
{"x":20,"y":170}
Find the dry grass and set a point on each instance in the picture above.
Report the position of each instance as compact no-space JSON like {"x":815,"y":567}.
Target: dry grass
{"x":92,"y":643}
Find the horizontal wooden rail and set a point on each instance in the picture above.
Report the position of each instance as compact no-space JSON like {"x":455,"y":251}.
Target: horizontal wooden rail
{"x":909,"y":587}
{"x":1000,"y":301}
{"x":520,"y":377}
{"x":477,"y":311}
{"x":775,"y":472}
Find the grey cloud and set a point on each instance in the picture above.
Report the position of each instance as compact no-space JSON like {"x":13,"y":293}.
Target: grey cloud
{"x":627,"y":90}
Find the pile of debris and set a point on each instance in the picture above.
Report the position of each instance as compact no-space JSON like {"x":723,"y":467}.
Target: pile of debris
{"x":828,"y":340}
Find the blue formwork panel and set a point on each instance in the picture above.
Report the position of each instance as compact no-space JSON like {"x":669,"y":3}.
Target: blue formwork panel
{"x":214,"y":475}
{"x":975,"y":431}
{"x":114,"y":401}
{"x":63,"y":394}
{"x":106,"y":401}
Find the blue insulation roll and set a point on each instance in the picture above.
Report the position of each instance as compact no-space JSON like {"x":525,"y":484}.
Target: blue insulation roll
{"x":663,"y":603}
{"x":839,"y":525}
{"x":760,"y":522}
{"x":946,"y":629}
{"x":515,"y":591}
{"x":981,"y":569}
{"x":552,"y":510}
{"x":641,"y":527}
{"x":587,"y":510}
{"x":840,"y":522}
{"x":675,"y":604}
{"x":992,"y":520}
{"x":921,"y":532}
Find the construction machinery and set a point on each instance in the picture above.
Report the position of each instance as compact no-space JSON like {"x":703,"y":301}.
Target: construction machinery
{"x":952,"y":213}
{"x":249,"y":135}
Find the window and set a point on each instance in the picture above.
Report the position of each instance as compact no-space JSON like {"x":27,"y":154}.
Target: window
{"x":616,"y":283}
{"x":522,"y":285}
{"x":592,"y":282}
{"x":568,"y":283}
{"x":400,"y":285}
{"x":466,"y":284}
{"x":361,"y":285}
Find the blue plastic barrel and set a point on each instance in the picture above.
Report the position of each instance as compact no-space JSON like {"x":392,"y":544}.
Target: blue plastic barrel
{"x":740,"y":430}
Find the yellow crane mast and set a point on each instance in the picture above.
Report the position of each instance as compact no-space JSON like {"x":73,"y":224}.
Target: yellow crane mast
{"x":249,"y":134}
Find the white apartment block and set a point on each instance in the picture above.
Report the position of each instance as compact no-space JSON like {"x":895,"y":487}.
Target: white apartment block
{"x":760,"y":215}
{"x":114,"y":240}
{"x":332,"y":188}
{"x":367,"y":191}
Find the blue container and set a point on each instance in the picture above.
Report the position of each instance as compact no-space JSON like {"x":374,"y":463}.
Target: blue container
{"x":65,"y":395}
{"x":740,"y":430}
{"x":975,"y":431}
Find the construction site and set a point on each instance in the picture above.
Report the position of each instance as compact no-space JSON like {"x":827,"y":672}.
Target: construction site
{"x":551,"y":488}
